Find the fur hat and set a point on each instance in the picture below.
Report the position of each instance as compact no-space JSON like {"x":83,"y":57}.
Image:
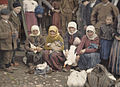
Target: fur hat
{"x":5,"y":11}
{"x":16,"y":4}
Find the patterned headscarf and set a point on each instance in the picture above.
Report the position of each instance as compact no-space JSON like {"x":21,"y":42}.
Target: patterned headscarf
{"x":91,"y":28}
{"x":35,"y":27}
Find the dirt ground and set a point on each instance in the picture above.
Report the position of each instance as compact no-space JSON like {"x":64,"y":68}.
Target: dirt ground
{"x":21,"y":79}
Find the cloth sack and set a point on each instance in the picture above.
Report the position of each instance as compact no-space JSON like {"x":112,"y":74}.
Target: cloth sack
{"x":77,"y":79}
{"x":100,"y":77}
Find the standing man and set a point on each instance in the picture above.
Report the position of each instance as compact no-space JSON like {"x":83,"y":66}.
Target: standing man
{"x":68,"y":9}
{"x":8,"y":36}
{"x":14,"y":18}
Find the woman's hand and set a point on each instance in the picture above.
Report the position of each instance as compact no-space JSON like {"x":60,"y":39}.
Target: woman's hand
{"x":82,"y":51}
{"x":77,"y":58}
{"x":118,"y":38}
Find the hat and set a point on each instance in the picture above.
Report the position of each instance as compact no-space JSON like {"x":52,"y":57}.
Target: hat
{"x":5,"y":11}
{"x":16,"y":4}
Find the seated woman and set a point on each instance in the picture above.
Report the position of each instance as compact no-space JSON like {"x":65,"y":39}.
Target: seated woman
{"x":53,"y":49}
{"x":71,"y":41}
{"x":87,"y":51}
{"x":34,"y":47}
{"x":72,"y":36}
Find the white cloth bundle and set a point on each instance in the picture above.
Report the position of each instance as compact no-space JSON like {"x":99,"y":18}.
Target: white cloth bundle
{"x":77,"y":79}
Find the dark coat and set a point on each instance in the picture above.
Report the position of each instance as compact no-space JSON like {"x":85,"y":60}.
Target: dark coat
{"x":107,"y":32}
{"x":67,"y":39}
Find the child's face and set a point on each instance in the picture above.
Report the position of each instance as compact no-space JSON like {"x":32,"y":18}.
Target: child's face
{"x":35,"y":32}
{"x":5,"y":17}
{"x":109,"y":20}
{"x":17,"y":9}
{"x":71,"y":29}
{"x":90,"y":33}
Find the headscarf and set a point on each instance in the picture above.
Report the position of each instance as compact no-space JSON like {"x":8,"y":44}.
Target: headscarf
{"x":56,"y":37}
{"x":91,"y":28}
{"x":35,"y":27}
{"x":74,"y":25}
{"x":55,"y":29}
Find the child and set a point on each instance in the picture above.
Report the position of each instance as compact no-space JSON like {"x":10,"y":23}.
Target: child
{"x":114,"y":61}
{"x":106,"y":39}
{"x":8,"y":37}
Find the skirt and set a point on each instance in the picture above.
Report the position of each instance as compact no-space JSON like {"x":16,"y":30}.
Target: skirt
{"x":88,"y":60}
{"x":105,"y":48}
{"x":55,"y":59}
{"x":114,"y":61}
{"x":30,"y":20}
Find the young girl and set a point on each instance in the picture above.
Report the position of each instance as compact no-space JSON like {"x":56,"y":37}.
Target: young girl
{"x":87,"y":51}
{"x":106,"y":39}
{"x":114,"y":61}
{"x":55,"y":59}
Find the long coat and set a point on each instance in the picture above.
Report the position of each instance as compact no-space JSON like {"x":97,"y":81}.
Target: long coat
{"x":14,"y":19}
{"x":6,"y":39}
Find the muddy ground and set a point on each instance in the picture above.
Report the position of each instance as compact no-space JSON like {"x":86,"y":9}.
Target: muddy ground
{"x":22,"y":79}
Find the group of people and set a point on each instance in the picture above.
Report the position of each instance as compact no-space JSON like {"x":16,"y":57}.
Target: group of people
{"x":94,"y":31}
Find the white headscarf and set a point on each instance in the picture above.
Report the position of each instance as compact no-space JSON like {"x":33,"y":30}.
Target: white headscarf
{"x":74,"y":25}
{"x":91,"y":28}
{"x":35,"y":27}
